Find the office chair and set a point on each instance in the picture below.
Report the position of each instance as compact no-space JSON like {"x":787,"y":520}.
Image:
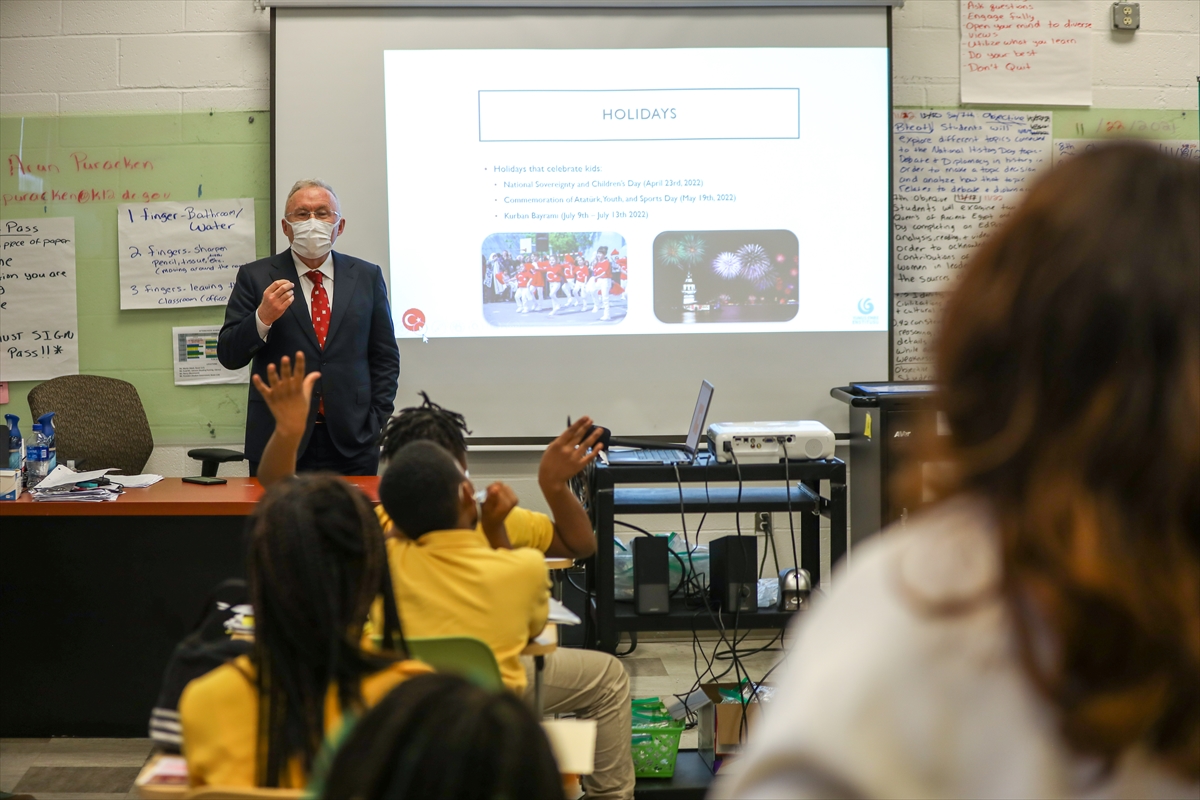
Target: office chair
{"x":98,"y":422}
{"x":211,"y":458}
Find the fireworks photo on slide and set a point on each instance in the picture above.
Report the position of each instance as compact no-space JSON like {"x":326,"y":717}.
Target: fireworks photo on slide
{"x":554,"y":279}
{"x":726,"y":276}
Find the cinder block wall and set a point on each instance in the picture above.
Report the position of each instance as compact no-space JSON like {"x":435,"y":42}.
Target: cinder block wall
{"x":75,"y":56}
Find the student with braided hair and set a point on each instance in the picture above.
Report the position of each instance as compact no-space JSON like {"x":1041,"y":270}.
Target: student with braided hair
{"x":464,"y":581}
{"x":317,"y":561}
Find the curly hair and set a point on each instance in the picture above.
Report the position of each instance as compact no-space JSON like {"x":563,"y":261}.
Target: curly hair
{"x":428,"y":421}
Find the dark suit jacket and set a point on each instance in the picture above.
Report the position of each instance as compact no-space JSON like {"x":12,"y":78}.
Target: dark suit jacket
{"x":359,"y":364}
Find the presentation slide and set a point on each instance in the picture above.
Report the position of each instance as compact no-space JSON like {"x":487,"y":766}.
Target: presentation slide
{"x":624,"y":191}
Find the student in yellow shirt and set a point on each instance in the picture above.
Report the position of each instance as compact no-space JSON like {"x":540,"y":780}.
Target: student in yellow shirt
{"x":587,"y":683}
{"x":316,"y":563}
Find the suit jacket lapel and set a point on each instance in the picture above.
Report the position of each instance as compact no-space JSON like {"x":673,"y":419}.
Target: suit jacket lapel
{"x":344,"y":277}
{"x":284,"y":267}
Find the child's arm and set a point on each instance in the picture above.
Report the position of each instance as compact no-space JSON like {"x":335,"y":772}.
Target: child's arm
{"x":563,"y":459}
{"x":289,"y":396}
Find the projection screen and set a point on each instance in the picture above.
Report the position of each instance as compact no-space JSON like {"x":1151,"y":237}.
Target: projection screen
{"x":590,"y":210}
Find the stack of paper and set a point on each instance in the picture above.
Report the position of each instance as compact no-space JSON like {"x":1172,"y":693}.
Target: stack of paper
{"x":136,"y":481}
{"x":62,"y":484}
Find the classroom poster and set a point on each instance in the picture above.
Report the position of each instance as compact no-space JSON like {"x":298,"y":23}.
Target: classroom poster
{"x":194,"y":353}
{"x":1037,"y":52}
{"x":39,"y":324}
{"x":178,"y":255}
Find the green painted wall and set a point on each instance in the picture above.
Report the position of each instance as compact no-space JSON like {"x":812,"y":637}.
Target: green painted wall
{"x":214,"y":155}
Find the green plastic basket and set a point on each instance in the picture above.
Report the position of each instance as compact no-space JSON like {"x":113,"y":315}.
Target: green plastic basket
{"x":655,"y":747}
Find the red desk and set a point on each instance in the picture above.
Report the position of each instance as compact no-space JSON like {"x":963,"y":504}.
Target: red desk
{"x":168,"y":497}
{"x":95,"y":596}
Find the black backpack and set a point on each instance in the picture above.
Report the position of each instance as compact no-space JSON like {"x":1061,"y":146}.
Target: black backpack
{"x":224,"y":632}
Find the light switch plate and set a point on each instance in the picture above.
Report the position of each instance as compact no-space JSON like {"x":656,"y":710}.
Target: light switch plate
{"x":1126,"y":16}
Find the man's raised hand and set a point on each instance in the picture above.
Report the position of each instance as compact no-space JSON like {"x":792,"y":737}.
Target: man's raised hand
{"x":275,"y":300}
{"x":288,"y":393}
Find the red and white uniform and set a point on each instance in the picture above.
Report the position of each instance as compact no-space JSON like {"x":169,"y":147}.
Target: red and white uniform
{"x":524,"y":279}
{"x":602,"y":269}
{"x":554,"y":273}
{"x":539,"y":274}
{"x":582,"y":273}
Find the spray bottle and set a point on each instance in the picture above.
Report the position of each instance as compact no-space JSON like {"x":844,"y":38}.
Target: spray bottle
{"x":16,"y":445}
{"x":47,"y":422}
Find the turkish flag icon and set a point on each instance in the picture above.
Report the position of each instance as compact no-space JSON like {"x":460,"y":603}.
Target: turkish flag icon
{"x":413,"y":319}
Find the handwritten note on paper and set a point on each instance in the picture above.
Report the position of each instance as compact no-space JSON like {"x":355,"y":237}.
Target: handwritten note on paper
{"x":914,"y":315}
{"x":1035,"y":52}
{"x":958,"y":175}
{"x":182,"y":254}
{"x":1064,"y":149}
{"x":38,"y":321}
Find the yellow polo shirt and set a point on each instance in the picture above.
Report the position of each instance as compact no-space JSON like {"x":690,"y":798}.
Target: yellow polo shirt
{"x":219,"y":715}
{"x":452,"y":583}
{"x":525,"y":528}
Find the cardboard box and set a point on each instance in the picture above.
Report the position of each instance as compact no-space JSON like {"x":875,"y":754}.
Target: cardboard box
{"x":10,"y":484}
{"x":721,"y":732}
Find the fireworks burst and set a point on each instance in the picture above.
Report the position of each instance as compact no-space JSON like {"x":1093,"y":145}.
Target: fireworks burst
{"x":764,"y":280}
{"x":755,"y":261}
{"x":727,"y":265}
{"x":669,"y":253}
{"x":691,"y":250}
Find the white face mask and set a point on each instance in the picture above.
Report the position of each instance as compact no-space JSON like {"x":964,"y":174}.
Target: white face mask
{"x":312,"y":238}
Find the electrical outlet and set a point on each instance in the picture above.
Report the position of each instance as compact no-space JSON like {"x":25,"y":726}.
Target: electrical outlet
{"x":762,"y":523}
{"x":1126,"y":16}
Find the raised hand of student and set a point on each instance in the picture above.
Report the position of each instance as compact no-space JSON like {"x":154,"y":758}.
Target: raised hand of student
{"x":288,"y":393}
{"x":500,"y":500}
{"x":573,"y":450}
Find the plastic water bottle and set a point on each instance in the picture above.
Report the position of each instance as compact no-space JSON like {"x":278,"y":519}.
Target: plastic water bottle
{"x":37,"y":457}
{"x":47,"y":421}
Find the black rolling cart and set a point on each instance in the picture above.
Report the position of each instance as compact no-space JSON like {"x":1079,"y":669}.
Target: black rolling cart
{"x":702,"y":487}
{"x":887,"y":420}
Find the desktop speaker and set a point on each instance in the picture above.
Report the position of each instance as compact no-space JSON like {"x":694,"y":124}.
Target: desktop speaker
{"x":734,"y":565}
{"x":651,"y":575}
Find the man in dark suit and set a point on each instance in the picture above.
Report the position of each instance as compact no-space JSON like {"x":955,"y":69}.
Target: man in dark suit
{"x":334,"y":309}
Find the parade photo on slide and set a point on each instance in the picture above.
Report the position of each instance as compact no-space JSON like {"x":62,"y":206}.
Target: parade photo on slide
{"x":726,"y":276}
{"x":554,"y":279}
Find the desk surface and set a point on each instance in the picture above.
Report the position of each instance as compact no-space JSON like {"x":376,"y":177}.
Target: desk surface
{"x":170,"y":497}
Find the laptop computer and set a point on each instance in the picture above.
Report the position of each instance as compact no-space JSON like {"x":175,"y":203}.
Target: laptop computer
{"x":657,"y":454}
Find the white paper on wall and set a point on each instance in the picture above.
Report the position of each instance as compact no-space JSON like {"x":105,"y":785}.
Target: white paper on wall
{"x":1065,"y":149}
{"x":1035,"y":52}
{"x":176,"y":255}
{"x":39,"y":325}
{"x":958,"y":175}
{"x":194,"y":353}
{"x":914,"y":317}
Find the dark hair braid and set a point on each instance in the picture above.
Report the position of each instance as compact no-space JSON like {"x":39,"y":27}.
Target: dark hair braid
{"x":428,"y":421}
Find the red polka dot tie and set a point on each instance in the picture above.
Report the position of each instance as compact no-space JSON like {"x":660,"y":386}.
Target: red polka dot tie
{"x":320,"y":316}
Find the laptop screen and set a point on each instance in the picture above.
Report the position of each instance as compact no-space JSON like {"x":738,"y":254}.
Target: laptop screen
{"x":699,"y":415}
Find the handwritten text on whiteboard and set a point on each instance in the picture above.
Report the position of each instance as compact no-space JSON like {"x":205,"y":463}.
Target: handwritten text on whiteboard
{"x":958,"y":174}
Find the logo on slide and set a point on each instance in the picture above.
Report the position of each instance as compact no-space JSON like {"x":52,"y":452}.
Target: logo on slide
{"x":413,"y":319}
{"x":865,"y":306}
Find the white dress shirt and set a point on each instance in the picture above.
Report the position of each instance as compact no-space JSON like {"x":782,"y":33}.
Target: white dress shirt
{"x":306,"y":286}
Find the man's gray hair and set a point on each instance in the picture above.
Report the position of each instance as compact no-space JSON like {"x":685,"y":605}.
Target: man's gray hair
{"x":309,"y":183}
